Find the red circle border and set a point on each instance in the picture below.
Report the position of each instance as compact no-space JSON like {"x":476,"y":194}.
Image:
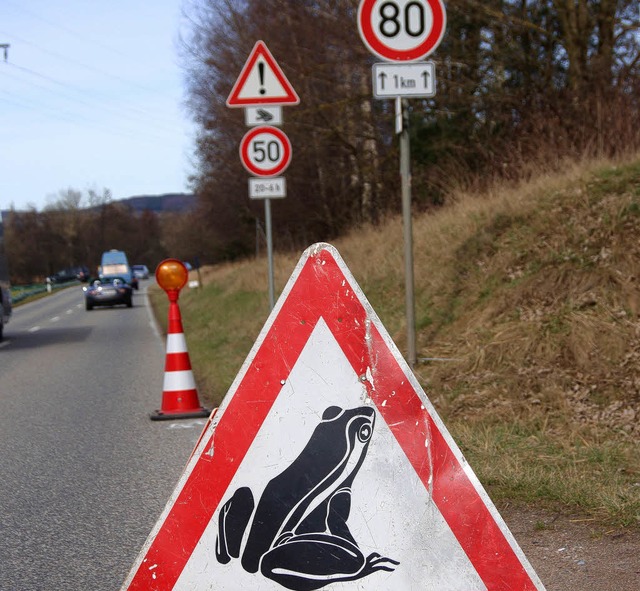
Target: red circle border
{"x":376,"y":46}
{"x":244,"y":151}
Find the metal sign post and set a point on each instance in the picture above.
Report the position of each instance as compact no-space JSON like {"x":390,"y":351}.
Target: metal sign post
{"x":267,"y":218}
{"x":405,"y":179}
{"x":265,"y":151}
{"x":403,"y":32}
{"x":267,"y":189}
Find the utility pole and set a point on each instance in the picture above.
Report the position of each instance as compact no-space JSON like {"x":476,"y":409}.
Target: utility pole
{"x":5,"y":47}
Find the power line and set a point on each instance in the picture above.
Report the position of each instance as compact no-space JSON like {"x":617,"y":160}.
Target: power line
{"x":65,"y":117}
{"x":157,"y":92}
{"x":78,"y":119}
{"x":67,"y":59}
{"x":134,"y":112}
{"x":64,"y":28}
{"x":81,"y":93}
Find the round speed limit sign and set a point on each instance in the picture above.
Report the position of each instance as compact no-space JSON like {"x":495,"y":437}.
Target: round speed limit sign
{"x":401,"y":30}
{"x":265,"y":151}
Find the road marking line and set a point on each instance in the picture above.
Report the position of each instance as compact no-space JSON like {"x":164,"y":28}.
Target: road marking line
{"x":34,"y":329}
{"x":187,"y":425}
{"x":55,"y":319}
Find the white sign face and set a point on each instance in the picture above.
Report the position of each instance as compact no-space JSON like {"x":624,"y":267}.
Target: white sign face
{"x":265,"y":151}
{"x":267,"y":188}
{"x":327,"y":467}
{"x":401,"y":30}
{"x":262,"y":82}
{"x":263,"y":115}
{"x":385,"y":518}
{"x":414,"y":79}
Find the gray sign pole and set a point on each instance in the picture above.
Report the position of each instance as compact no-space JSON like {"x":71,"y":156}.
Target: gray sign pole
{"x":406,"y":76}
{"x":402,"y":116}
{"x":267,"y":219}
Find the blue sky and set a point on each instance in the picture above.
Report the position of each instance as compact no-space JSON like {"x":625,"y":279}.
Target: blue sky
{"x":92,"y":97}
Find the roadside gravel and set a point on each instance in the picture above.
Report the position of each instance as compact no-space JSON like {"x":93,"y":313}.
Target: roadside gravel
{"x":574,"y":553}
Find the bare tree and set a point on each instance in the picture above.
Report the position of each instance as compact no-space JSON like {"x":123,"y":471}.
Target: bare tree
{"x":519,"y":81}
{"x":334,"y":180}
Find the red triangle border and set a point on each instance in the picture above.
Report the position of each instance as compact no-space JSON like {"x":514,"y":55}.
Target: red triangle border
{"x":321,"y":286}
{"x":260,"y":50}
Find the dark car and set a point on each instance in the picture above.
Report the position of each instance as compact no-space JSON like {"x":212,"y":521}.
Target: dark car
{"x":108,"y":291}
{"x":140,"y":271}
{"x":5,"y":306}
{"x":70,"y":274}
{"x":64,"y":276}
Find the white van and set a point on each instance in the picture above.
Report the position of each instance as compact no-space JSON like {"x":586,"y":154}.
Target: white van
{"x":114,"y":263}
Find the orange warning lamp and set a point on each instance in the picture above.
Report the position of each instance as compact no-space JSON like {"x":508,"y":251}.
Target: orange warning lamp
{"x":172,"y":276}
{"x":179,"y":392}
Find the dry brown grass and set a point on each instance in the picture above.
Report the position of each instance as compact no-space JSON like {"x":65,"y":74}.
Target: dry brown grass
{"x":528,"y":296}
{"x":548,"y":292}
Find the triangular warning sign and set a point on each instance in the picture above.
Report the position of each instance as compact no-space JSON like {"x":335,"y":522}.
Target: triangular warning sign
{"x":326,"y":465}
{"x":261,"y":82}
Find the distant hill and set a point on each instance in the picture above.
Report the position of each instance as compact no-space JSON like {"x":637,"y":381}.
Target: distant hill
{"x":167,"y":203}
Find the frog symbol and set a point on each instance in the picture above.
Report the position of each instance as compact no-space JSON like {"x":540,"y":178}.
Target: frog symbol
{"x":299,"y":536}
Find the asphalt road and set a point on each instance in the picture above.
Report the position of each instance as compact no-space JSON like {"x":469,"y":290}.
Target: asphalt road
{"x":84,"y":472}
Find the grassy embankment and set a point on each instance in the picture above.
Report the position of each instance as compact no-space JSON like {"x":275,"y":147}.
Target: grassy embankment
{"x":532,"y":293}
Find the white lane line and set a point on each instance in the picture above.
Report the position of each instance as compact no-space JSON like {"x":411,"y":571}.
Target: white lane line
{"x":199,"y":423}
{"x":69,"y":311}
{"x":55,"y":319}
{"x":34,"y":329}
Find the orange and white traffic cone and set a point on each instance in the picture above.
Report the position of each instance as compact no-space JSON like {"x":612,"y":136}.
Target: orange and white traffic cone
{"x":179,"y":393}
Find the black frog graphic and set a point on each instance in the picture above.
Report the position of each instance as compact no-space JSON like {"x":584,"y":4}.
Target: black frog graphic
{"x":298,"y":533}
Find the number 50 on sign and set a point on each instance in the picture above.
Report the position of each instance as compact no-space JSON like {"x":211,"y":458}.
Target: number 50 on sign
{"x":265,"y":151}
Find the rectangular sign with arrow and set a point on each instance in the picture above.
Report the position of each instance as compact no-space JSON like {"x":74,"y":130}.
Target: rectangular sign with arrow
{"x":416,"y":79}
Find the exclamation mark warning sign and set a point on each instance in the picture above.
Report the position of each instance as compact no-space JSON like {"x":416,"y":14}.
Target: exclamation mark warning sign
{"x":262,"y":82}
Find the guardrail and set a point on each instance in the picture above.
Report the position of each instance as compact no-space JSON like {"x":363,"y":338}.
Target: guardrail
{"x":19,"y":293}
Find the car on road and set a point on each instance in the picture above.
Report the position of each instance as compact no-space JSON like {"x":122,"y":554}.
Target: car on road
{"x":69,"y":274}
{"x":108,"y":291}
{"x":5,"y":306}
{"x":140,"y":271}
{"x":5,"y":287}
{"x":114,"y":263}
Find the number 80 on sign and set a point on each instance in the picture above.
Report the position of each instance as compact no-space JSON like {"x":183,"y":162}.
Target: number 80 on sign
{"x":265,"y":151}
{"x":401,"y":30}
